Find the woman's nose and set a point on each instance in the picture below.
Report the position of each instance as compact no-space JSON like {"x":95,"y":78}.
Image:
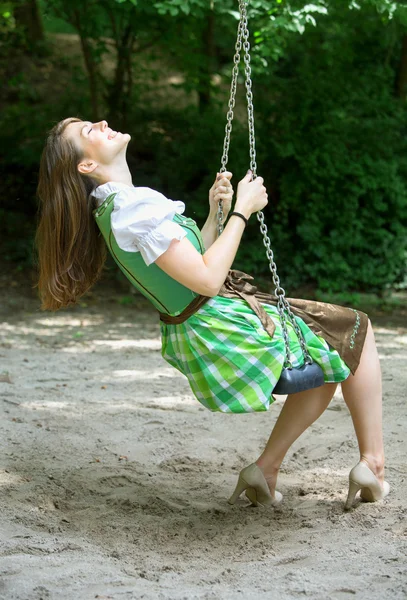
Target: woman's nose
{"x":102,"y":125}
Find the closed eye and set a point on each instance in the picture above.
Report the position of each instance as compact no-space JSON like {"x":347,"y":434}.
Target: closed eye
{"x":90,"y":130}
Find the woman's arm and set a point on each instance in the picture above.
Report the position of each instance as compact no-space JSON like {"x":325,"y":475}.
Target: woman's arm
{"x":209,"y":231}
{"x":205,"y":274}
{"x":221,"y":190}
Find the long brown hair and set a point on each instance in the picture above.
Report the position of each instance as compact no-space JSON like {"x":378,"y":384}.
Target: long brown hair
{"x":71,"y":251}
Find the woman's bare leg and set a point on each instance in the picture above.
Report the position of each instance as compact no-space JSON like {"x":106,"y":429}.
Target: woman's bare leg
{"x":363,"y":395}
{"x":298,"y":413}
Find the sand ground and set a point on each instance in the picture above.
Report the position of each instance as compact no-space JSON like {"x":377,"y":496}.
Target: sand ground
{"x":114,"y":480}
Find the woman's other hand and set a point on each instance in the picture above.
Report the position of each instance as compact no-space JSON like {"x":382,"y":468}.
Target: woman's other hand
{"x":222,"y":189}
{"x":251,"y":195}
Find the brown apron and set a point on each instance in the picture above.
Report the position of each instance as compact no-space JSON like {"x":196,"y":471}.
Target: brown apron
{"x":343,"y":328}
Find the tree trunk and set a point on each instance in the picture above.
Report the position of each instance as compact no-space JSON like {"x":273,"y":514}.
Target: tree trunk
{"x":28,"y":18}
{"x":401,"y":77}
{"x":129,"y":75}
{"x":90,"y":65}
{"x":93,"y":77}
{"x":205,"y":72}
{"x":119,"y":96}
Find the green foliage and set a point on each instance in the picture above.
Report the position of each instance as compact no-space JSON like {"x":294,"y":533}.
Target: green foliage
{"x":16,"y":234}
{"x":340,"y":157}
{"x":196,"y":8}
{"x":7,"y":21}
{"x":330,"y":128}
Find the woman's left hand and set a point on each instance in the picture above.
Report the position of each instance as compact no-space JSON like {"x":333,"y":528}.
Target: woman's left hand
{"x":222,"y":189}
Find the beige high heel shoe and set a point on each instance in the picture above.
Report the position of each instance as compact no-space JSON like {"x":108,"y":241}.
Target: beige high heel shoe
{"x":252,"y":480}
{"x":362,"y":478}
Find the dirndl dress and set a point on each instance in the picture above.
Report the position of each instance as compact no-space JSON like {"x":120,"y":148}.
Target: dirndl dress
{"x":231,"y":362}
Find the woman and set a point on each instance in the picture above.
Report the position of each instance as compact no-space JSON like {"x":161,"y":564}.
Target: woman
{"x":228,"y":352}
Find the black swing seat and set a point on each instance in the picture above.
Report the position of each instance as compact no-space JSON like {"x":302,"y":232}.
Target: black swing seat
{"x":299,"y":379}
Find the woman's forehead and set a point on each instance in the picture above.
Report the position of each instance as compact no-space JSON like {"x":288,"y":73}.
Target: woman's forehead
{"x":74,"y":129}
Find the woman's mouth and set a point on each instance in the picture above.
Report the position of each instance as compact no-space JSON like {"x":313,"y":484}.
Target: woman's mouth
{"x":112,"y":134}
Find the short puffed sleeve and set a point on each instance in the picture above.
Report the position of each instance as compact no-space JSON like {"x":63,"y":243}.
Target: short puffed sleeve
{"x":142,"y":222}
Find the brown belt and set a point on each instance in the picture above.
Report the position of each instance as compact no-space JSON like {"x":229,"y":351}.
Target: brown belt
{"x":186,"y":313}
{"x":343,"y":328}
{"x":236,"y":286}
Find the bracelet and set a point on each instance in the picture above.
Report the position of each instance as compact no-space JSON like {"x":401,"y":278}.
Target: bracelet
{"x":238,"y":214}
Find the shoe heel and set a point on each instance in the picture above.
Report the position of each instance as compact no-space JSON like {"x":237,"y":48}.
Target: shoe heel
{"x":362,"y":478}
{"x":252,"y":480}
{"x":251,"y":494}
{"x":240,"y":488}
{"x":353,"y":490}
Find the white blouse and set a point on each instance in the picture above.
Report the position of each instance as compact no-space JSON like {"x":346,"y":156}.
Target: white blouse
{"x":141,"y":219}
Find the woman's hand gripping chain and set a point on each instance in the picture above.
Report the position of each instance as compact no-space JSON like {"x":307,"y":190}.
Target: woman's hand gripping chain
{"x":222,"y":190}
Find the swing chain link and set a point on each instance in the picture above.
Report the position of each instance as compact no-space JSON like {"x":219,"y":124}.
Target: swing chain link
{"x":249,"y":93}
{"x":229,"y":117}
{"x":283,"y":307}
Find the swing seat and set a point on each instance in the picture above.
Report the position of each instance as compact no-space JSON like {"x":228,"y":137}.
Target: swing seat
{"x":300,"y":379}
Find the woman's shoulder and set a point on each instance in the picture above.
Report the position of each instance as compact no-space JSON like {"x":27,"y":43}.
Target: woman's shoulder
{"x":142,"y":199}
{"x":136,"y":198}
{"x":122,"y":190}
{"x":148,"y":193}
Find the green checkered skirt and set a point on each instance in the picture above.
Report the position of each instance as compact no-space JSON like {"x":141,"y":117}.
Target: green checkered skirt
{"x":231,"y":362}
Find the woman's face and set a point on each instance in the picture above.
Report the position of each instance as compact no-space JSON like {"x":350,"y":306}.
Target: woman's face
{"x":97,"y":142}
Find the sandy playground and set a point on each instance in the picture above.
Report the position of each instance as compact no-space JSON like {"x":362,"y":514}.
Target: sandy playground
{"x":114,"y":479}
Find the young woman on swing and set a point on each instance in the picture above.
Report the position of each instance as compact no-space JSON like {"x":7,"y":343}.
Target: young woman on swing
{"x":229,"y":345}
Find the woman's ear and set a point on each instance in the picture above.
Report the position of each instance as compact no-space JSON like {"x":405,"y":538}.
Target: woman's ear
{"x":87,"y":166}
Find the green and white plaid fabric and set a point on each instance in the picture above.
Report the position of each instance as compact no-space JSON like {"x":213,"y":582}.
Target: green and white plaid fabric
{"x":231,"y":362}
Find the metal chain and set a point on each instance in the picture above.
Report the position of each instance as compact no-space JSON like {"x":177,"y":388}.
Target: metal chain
{"x":230,"y":115}
{"x":232,"y":98}
{"x":283,"y":307}
{"x":249,"y":94}
{"x":232,"y":101}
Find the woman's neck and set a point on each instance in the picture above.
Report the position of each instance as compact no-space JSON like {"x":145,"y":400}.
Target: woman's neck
{"x":115,"y":172}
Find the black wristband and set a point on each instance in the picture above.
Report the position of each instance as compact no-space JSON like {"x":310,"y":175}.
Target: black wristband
{"x":238,"y":214}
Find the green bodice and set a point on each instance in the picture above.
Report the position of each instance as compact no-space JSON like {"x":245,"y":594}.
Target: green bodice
{"x":166,"y":294}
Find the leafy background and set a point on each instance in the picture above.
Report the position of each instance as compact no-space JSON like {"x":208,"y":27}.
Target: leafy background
{"x":330,"y":84}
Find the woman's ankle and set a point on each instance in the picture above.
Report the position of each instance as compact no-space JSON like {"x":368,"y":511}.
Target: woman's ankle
{"x":270,"y":472}
{"x":375,"y":462}
{"x":269,"y":468}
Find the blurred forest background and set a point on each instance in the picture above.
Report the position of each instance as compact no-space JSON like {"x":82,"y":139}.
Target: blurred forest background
{"x":330,"y":87}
